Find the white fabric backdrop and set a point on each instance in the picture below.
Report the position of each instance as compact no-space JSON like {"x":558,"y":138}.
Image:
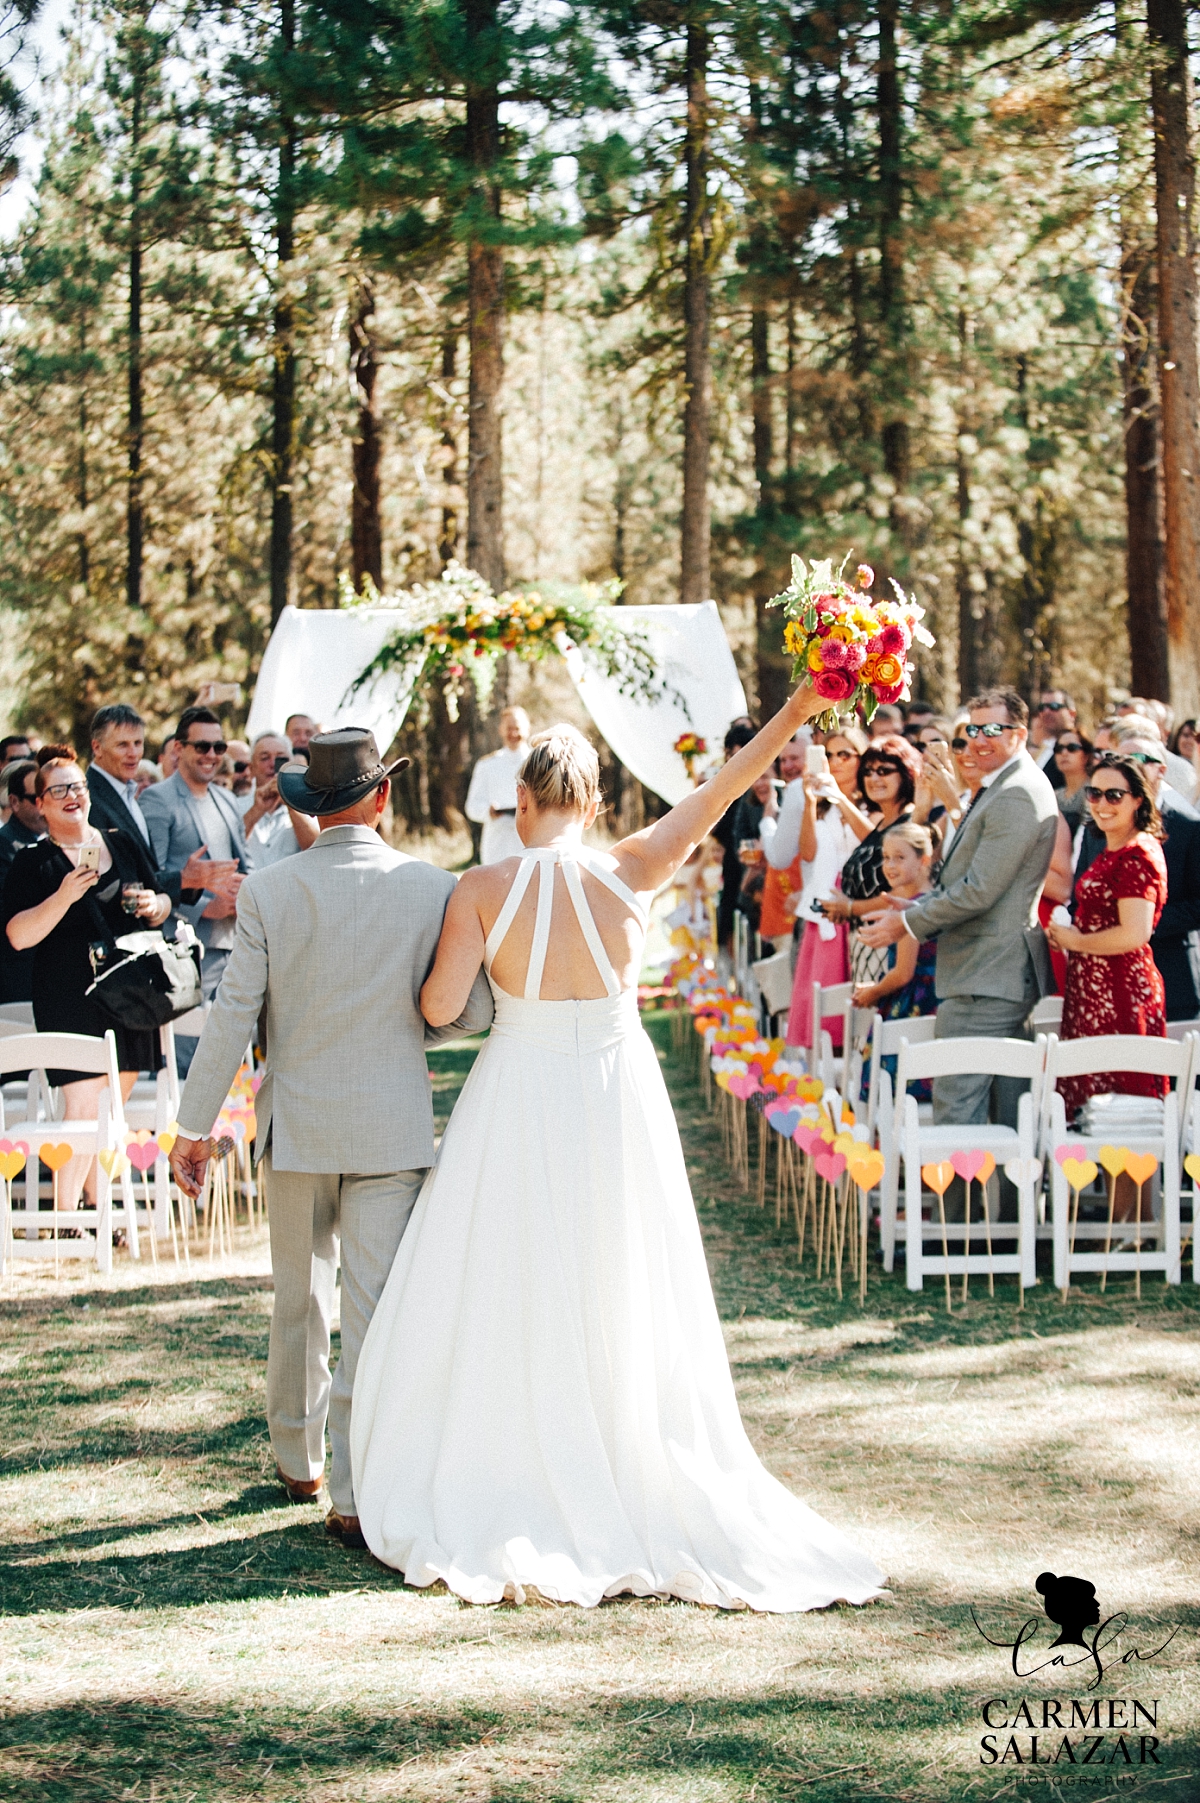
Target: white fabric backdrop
{"x":315,"y":654}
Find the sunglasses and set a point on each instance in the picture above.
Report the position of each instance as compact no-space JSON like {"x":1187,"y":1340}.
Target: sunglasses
{"x":992,"y":730}
{"x":882,"y":767}
{"x":958,"y":744}
{"x":1054,"y":707}
{"x":843,"y":756}
{"x":205,"y":746}
{"x":1067,"y":745}
{"x":1142,"y":757}
{"x":60,"y":791}
{"x":240,"y":765}
{"x":1113,"y":797}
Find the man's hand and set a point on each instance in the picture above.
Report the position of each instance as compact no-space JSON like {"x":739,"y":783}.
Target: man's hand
{"x":189,"y":1161}
{"x":884,"y":928}
{"x":203,"y":872}
{"x":219,"y":909}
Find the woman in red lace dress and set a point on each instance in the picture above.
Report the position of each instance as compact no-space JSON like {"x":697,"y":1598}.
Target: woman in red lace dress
{"x":1113,"y":985}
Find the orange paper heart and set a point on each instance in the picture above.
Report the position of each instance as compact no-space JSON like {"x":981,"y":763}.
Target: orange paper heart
{"x":1141,"y":1166}
{"x":866,"y":1167}
{"x":1079,"y":1172}
{"x":938,"y":1176}
{"x":1113,"y":1159}
{"x":55,"y":1157}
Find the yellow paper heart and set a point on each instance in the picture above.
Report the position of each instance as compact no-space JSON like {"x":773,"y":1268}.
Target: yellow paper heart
{"x":843,"y":1144}
{"x":722,"y":1078}
{"x":1079,"y":1172}
{"x":867,"y":1167}
{"x":166,"y":1140}
{"x":810,"y":1089}
{"x":11,"y":1163}
{"x":113,"y":1162}
{"x":1191,"y":1165}
{"x":1141,"y":1166}
{"x":1113,"y":1159}
{"x":55,"y":1157}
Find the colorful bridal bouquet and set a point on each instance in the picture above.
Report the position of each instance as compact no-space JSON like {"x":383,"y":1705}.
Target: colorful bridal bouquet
{"x":691,"y":748}
{"x":853,"y":649}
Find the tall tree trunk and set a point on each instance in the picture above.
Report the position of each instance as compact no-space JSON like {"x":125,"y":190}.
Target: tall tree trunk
{"x":283,"y":385}
{"x":485,"y":314}
{"x":135,"y":523}
{"x":694,"y":580}
{"x":772,"y":664}
{"x":81,"y":469}
{"x":448,"y":538}
{"x":968,"y":625}
{"x":1179,"y":376}
{"x":1146,"y":607}
{"x":895,"y":435}
{"x":366,"y":525}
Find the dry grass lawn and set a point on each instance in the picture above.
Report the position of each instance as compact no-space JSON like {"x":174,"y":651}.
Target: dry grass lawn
{"x":173,"y":1629}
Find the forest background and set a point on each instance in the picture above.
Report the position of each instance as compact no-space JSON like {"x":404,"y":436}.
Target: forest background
{"x":320,"y":295}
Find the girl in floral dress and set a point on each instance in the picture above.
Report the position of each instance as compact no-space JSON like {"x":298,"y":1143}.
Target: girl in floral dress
{"x":907,"y":989}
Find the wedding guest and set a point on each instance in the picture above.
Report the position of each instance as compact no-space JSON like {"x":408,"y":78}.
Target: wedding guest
{"x":1113,"y":983}
{"x":147,"y":775}
{"x":888,"y":723}
{"x":49,"y":907}
{"x":831,"y":826}
{"x":272,"y":829}
{"x":888,"y":774}
{"x":193,"y":822}
{"x":241,"y":779}
{"x":1072,"y":754}
{"x":24,"y":827}
{"x":1181,"y":853}
{"x":168,"y":756}
{"x":1183,"y":741}
{"x":740,"y":733}
{"x":492,"y":797}
{"x":983,"y":909}
{"x":1053,"y":716}
{"x":298,"y":730}
{"x":15,"y":749}
{"x":1179,"y":776}
{"x":776,"y":922}
{"x":757,"y":811}
{"x":906,"y":991}
{"x":118,"y":737}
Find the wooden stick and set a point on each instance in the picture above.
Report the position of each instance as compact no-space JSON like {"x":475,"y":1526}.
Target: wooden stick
{"x":987,"y":1221}
{"x":967,"y":1241}
{"x":54,"y":1229}
{"x":150,"y":1224}
{"x":945,"y":1245}
{"x":1112,"y":1203}
{"x":864,"y":1211}
{"x":1073,"y":1220}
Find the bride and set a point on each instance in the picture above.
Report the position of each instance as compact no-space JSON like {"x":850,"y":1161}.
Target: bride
{"x":543,"y":1398}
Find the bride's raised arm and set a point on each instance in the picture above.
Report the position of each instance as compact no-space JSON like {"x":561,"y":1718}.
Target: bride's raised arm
{"x":650,"y":858}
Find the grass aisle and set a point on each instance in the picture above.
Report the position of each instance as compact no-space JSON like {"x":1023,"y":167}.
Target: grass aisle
{"x":174,"y":1630}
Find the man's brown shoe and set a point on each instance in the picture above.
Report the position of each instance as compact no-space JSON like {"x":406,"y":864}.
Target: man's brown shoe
{"x":300,"y":1489}
{"x":345,"y":1528}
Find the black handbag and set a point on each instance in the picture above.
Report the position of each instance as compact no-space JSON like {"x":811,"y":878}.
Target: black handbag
{"x":143,"y":980}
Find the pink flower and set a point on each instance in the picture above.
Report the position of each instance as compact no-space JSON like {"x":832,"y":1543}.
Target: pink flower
{"x":865,"y":575}
{"x":835,"y":685}
{"x":855,"y":658}
{"x":886,"y":697}
{"x":834,"y":654}
{"x":894,"y":639}
{"x":875,"y":645}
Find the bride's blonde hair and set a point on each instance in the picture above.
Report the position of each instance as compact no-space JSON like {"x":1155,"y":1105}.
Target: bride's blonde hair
{"x":562,"y":771}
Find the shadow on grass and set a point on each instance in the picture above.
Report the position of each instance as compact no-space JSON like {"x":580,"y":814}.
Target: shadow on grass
{"x":828,"y":1750}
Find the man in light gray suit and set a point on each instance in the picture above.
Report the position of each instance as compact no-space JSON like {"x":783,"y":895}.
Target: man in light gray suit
{"x":337,"y":942}
{"x":991,"y":956}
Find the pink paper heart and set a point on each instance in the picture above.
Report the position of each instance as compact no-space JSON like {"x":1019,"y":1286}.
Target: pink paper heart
{"x":830,"y":1165}
{"x":741,"y":1087}
{"x":968,"y":1164}
{"x":807,"y":1138}
{"x":144,"y":1157}
{"x":1061,"y":1153}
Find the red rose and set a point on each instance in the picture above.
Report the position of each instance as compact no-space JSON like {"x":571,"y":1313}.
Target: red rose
{"x":835,"y":685}
{"x":886,"y":697}
{"x":892,"y":638}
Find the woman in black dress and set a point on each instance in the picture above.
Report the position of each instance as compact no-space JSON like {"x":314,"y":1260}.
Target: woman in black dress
{"x":58,"y":907}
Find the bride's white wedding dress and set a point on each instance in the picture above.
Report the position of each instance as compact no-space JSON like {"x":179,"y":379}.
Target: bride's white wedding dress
{"x":544,"y":1398}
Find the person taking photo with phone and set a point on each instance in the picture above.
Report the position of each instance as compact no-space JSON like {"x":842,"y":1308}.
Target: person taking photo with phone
{"x":273,"y":830}
{"x":74,"y":888}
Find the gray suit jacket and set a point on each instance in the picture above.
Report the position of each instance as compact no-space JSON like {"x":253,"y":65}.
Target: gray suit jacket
{"x":337,"y":943}
{"x":176,"y":831}
{"x":986,"y":898}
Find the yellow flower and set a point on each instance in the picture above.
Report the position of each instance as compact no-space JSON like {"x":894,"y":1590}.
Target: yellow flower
{"x":814,"y":655}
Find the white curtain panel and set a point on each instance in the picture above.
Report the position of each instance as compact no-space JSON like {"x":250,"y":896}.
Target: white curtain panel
{"x":315,"y":655}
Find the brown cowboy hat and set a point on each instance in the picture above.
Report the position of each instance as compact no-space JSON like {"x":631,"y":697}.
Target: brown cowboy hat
{"x":342,"y":767}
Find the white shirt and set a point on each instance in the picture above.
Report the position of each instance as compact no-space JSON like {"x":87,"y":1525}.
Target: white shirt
{"x":782,"y":844}
{"x":128,"y":794}
{"x":494,"y":785}
{"x":1041,"y":754}
{"x":219,"y":841}
{"x":835,"y":842}
{"x":272,"y":837}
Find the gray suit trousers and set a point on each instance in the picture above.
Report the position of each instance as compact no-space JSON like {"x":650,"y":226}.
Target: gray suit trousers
{"x":962,"y":1101}
{"x":308,"y":1213}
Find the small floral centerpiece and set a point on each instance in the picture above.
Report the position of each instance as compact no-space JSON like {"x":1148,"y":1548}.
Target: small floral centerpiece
{"x":691,"y":748}
{"x":852,"y":648}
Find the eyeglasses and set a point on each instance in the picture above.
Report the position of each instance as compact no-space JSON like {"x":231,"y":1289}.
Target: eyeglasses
{"x":1067,"y":745}
{"x":878,"y":767}
{"x":1112,"y":796}
{"x":958,"y":744}
{"x":1142,"y":757}
{"x":60,"y":791}
{"x":1054,"y":707}
{"x":843,"y":756}
{"x":992,"y":730}
{"x":204,"y":746}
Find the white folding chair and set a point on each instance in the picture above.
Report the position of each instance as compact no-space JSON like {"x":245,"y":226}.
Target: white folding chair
{"x":929,"y":1144}
{"x":154,"y":1104}
{"x":1122,"y":1053}
{"x":774,"y":978}
{"x":833,"y":1003}
{"x":1047,"y":1014}
{"x":39,"y":1052}
{"x":19,"y":1012}
{"x":883,"y":1126}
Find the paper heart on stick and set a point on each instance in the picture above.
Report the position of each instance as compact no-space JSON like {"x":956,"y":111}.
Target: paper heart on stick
{"x":784,"y":1120}
{"x":1141,"y":1166}
{"x":806,"y":1139}
{"x":1191,"y":1165}
{"x":55,"y":1157}
{"x":867,"y":1168}
{"x":810,"y":1089}
{"x":843,"y":1142}
{"x":143,"y":1154}
{"x":722,"y":1079}
{"x":1064,"y":1152}
{"x":973,"y":1167}
{"x":1079,"y":1172}
{"x":1113,"y":1159}
{"x":1023,"y":1170}
{"x":166,"y":1141}
{"x":830,"y":1165}
{"x":741,"y":1087}
{"x":938,"y":1176}
{"x":12,"y":1158}
{"x":113,"y":1161}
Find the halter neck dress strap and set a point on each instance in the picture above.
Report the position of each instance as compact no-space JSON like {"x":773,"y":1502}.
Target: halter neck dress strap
{"x":507,"y":914}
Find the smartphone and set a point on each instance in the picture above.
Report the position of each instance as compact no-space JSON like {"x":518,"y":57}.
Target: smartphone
{"x":89,"y":857}
{"x":815,"y":761}
{"x":280,"y":761}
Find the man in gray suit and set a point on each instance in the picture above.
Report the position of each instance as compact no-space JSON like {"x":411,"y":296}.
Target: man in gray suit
{"x":191,"y":819}
{"x":991,"y":958}
{"x":337,"y":942}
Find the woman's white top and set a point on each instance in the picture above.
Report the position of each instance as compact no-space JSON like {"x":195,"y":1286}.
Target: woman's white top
{"x":835,"y":842}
